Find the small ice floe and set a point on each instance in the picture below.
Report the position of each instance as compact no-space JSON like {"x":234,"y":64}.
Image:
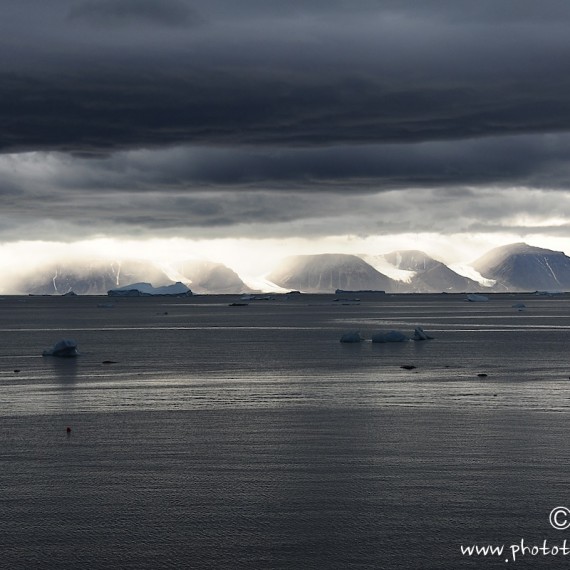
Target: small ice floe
{"x":473,"y":298}
{"x":353,"y":336}
{"x":390,"y":336}
{"x":420,"y":334}
{"x":65,"y":347}
{"x":548,"y":293}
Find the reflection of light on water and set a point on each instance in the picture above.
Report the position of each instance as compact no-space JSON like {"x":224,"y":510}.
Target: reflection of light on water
{"x":65,"y":370}
{"x":288,"y":356}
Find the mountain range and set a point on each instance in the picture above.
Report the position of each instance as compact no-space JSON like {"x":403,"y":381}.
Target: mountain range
{"x":514,"y":267}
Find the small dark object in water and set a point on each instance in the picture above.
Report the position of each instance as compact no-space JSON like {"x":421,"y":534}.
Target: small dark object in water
{"x":238,"y":305}
{"x":109,"y":362}
{"x":494,"y":395}
{"x":482,"y":375}
{"x":408,"y":366}
{"x":16,"y":371}
{"x":68,"y":430}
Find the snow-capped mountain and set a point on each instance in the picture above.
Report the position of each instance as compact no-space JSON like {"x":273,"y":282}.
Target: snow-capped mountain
{"x":209,"y":277}
{"x":325,"y":273}
{"x":522,"y":267}
{"x":411,"y":260}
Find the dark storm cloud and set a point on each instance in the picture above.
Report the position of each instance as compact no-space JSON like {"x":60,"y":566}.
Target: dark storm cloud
{"x":227,"y":214}
{"x":261,"y":73}
{"x":259,"y":116}
{"x":539,"y":161}
{"x":124,"y":194}
{"x":125,"y":12}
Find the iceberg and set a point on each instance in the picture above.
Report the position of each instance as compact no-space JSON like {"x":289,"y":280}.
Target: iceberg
{"x":390,"y":336}
{"x":473,"y":298}
{"x":65,"y":347}
{"x":147,"y":290}
{"x":353,"y":336}
{"x":420,"y":334}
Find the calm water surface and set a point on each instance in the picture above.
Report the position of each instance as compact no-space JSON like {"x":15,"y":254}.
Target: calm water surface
{"x":209,"y":436}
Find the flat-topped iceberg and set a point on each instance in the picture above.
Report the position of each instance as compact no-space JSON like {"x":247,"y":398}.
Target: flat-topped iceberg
{"x":147,"y":290}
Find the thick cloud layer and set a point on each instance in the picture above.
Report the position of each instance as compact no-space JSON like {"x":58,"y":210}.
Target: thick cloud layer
{"x":264,"y":116}
{"x":100,"y":75}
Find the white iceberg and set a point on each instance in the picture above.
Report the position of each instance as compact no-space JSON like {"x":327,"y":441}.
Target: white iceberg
{"x":390,"y":336}
{"x":65,"y":347}
{"x":353,"y":336}
{"x":147,"y":290}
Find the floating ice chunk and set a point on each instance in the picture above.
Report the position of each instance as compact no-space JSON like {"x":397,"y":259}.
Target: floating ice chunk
{"x":548,"y":293}
{"x":353,"y":336}
{"x":390,"y":336}
{"x":420,"y":334}
{"x":519,"y":306}
{"x":64,"y":347}
{"x":477,"y":298}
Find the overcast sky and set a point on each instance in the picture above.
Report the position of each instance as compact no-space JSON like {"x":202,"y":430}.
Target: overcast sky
{"x":212,"y":119}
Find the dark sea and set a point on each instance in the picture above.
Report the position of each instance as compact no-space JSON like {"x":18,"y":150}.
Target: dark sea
{"x":210,"y":436}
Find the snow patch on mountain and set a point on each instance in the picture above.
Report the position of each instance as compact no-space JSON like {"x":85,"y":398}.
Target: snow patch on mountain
{"x":381,"y":264}
{"x":471,"y":273}
{"x":263,"y":284}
